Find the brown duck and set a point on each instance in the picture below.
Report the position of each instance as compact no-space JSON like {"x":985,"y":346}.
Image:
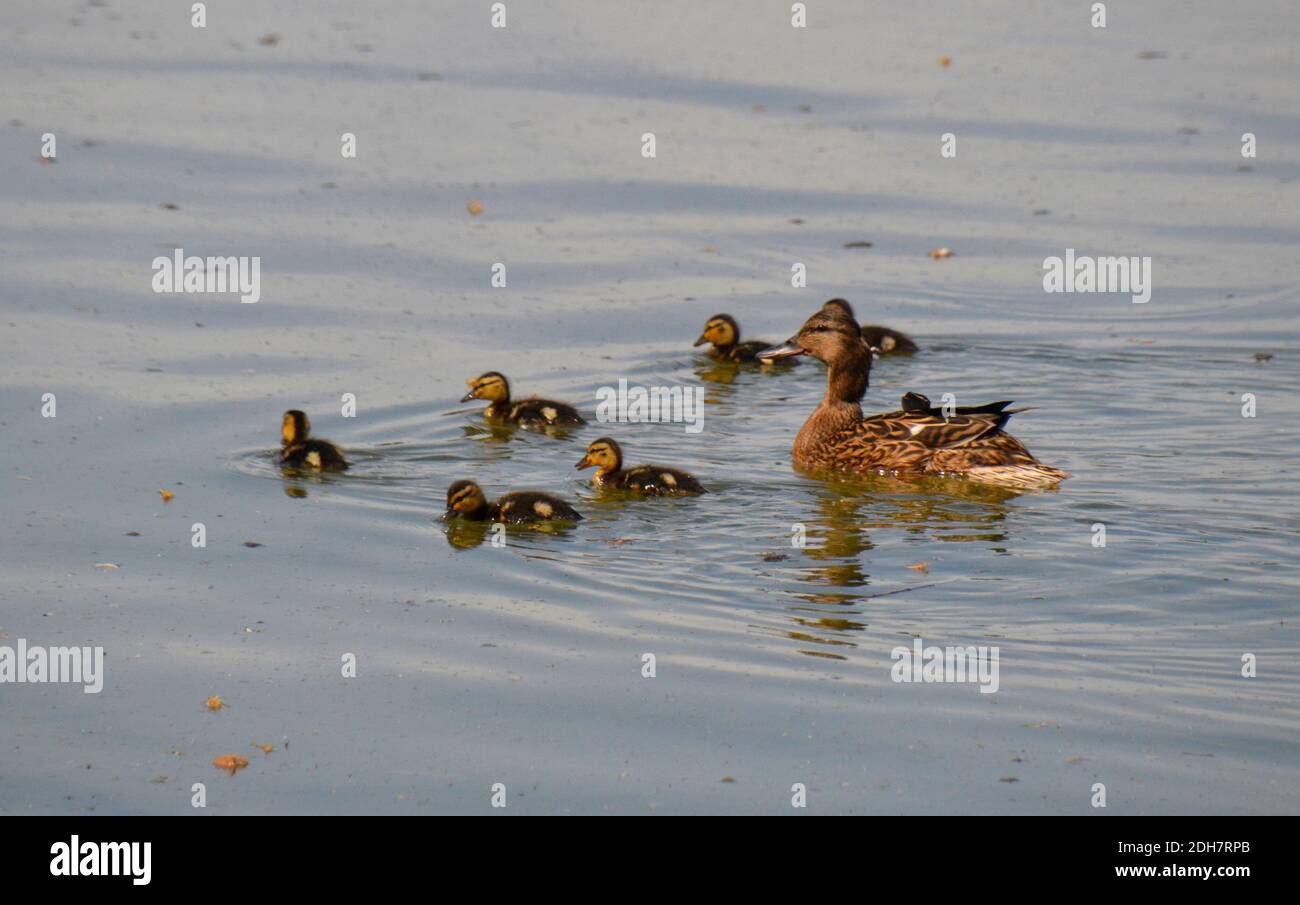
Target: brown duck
{"x":465,"y":499}
{"x":724,"y":333}
{"x":882,"y":340}
{"x":298,"y":450}
{"x":606,"y":456}
{"x":530,"y":412}
{"x":917,"y":439}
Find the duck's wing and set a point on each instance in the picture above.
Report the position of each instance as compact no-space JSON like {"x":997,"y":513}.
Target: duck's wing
{"x":749,"y":349}
{"x":909,"y":440}
{"x":966,"y":426}
{"x":917,"y":404}
{"x":545,"y":411}
{"x":532,"y":505}
{"x":888,"y":340}
{"x":657,"y":479}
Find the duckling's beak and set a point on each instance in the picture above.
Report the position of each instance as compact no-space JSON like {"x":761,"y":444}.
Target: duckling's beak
{"x":787,"y":349}
{"x":467,"y":397}
{"x":701,"y":341}
{"x":585,"y":461}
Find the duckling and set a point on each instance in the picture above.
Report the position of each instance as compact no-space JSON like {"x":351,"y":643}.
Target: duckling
{"x":526,"y":507}
{"x":530,"y":412}
{"x":297,"y":450}
{"x":723,"y":331}
{"x":916,"y":439}
{"x":606,"y":456}
{"x":882,"y":340}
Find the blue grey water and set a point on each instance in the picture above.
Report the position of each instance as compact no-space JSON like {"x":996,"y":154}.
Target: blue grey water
{"x":1119,"y":665}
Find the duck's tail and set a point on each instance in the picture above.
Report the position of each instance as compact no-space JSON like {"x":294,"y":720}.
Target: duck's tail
{"x":1036,"y":476}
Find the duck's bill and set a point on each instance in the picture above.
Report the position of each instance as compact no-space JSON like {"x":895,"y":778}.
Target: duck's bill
{"x":467,"y":397}
{"x":788,"y":349}
{"x":701,"y":341}
{"x":583,"y":463}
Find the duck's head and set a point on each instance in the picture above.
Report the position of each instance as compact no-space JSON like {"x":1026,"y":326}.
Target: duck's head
{"x":833,"y":306}
{"x":490,"y":386}
{"x":721,"y":330}
{"x":464,"y":497}
{"x":604,"y":455}
{"x":829,"y":336}
{"x":294,"y":428}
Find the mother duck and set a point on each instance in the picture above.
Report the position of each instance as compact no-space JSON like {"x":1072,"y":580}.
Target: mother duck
{"x":917,"y":439}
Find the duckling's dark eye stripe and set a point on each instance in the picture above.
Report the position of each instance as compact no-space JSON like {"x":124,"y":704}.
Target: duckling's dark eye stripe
{"x":460,"y":495}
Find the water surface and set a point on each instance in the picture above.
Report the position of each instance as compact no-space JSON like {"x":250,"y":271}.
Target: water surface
{"x":522,"y":664}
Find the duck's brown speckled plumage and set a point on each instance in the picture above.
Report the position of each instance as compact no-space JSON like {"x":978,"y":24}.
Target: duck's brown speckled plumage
{"x":465,"y":499}
{"x":299,"y":451}
{"x":530,"y":412}
{"x":606,"y":456}
{"x":915,"y":439}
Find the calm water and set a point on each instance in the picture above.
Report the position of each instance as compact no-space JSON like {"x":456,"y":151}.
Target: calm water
{"x":522,"y":665}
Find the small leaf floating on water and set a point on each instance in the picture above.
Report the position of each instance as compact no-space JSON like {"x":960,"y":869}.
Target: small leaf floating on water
{"x":269,"y":40}
{"x":941,"y":253}
{"x":922,"y":567}
{"x":109,"y":566}
{"x":266,"y":747}
{"x":251,"y":543}
{"x":231,"y":762}
{"x":167,"y":495}
{"x":215,"y":703}
{"x":727,"y":779}
{"x":475,"y":207}
{"x":945,"y":60}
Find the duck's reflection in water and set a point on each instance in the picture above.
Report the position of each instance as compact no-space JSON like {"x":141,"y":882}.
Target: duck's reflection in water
{"x":466,"y":534}
{"x":722,"y":373}
{"x":837,"y":532}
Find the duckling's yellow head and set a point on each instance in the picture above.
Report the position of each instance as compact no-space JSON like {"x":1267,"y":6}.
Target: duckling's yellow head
{"x":839,"y":306}
{"x":604,"y":455}
{"x":490,"y":386}
{"x":829,"y":337}
{"x":464,"y":496}
{"x":721,"y":330}
{"x":294,"y":428}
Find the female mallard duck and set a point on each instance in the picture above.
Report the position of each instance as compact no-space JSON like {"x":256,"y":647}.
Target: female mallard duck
{"x":606,"y":457}
{"x":917,"y":439}
{"x":530,"y":412}
{"x":882,"y":340}
{"x":723,"y":331}
{"x":527,"y":507}
{"x":297,"y":450}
